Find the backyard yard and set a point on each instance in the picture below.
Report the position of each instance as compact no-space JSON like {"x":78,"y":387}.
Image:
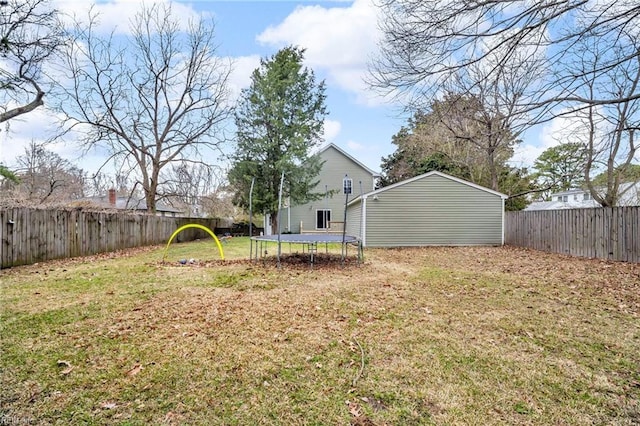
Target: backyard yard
{"x":442,"y":336}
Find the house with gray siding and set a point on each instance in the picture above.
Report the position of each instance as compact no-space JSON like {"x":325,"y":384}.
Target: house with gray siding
{"x":341,"y":178}
{"x":430,"y":209}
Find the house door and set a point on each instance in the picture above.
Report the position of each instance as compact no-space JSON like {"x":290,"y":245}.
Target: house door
{"x":323,"y":218}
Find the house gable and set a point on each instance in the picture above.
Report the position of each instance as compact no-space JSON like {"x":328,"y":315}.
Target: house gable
{"x":436,"y":173}
{"x":334,"y":147}
{"x":336,"y":165}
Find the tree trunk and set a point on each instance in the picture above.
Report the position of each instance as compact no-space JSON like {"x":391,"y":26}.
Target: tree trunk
{"x":493,"y":169}
{"x":274,"y":223}
{"x":150,"y":196}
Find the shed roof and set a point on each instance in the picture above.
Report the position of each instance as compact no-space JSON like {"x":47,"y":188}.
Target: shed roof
{"x":426,"y":175}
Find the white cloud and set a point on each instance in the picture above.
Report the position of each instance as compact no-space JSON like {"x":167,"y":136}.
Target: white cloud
{"x":117,"y":15}
{"x":240,"y":78}
{"x":338,"y":41}
{"x":355,"y":146}
{"x":39,"y":126}
{"x":367,"y":153}
{"x":569,"y":128}
{"x":331,"y":130}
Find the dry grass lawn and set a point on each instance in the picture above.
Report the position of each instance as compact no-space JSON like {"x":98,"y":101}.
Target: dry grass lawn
{"x":440,"y":336}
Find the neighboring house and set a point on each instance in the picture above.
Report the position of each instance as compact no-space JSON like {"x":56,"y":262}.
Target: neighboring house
{"x":430,"y":209}
{"x":581,"y":198}
{"x":340,"y":174}
{"x":113,"y":201}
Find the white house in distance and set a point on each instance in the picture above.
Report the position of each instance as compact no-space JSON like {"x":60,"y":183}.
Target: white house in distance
{"x":341,"y":176}
{"x":581,"y":198}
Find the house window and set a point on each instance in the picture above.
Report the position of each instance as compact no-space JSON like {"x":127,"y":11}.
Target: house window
{"x":575,"y":197}
{"x":347,"y":185}
{"x":563,"y":198}
{"x":323,"y":218}
{"x":587,"y":196}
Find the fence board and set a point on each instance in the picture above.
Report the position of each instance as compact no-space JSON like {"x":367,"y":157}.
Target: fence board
{"x":34,"y":235}
{"x":606,"y":233}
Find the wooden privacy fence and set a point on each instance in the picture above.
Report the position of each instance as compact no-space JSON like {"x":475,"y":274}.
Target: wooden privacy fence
{"x":605,"y":233}
{"x":30,"y":235}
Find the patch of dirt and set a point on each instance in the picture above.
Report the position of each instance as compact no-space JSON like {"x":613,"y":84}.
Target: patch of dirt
{"x":296,"y":261}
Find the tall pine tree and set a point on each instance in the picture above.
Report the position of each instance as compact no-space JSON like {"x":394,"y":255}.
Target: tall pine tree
{"x":279,"y":120}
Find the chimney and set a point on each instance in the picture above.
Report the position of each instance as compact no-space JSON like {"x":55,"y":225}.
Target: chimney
{"x":112,"y":197}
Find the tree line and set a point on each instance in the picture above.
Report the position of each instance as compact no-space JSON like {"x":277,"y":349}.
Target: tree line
{"x":473,"y":78}
{"x":157,"y":103}
{"x":485,"y":72}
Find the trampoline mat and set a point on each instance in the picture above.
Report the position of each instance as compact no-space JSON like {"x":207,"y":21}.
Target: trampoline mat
{"x":307,"y":238}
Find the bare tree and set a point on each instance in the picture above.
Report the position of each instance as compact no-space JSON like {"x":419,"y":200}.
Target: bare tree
{"x":494,"y":99}
{"x":193,"y":185}
{"x":30,"y":33}
{"x":471,"y":122}
{"x":44,"y":178}
{"x":579,"y":58}
{"x":611,"y":145}
{"x":426,"y":44}
{"x":158,"y":98}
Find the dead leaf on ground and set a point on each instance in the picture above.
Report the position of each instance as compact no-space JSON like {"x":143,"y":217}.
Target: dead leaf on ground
{"x":376,"y":404}
{"x":173,"y":418}
{"x":108,"y":405}
{"x":67,"y":366}
{"x":134,"y":370}
{"x":354,"y":409}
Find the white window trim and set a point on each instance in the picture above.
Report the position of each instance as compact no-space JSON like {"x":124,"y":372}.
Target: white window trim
{"x":344,"y":186}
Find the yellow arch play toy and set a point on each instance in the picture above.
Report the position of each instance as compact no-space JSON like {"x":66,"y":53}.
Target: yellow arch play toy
{"x":193,"y":225}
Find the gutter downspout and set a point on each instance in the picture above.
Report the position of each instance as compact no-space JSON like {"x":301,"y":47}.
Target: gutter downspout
{"x":502,"y":220}
{"x":363,"y":220}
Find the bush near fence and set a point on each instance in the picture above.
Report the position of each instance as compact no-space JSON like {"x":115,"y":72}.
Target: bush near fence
{"x":611,"y":233}
{"x":29,"y":235}
{"x":240,"y":230}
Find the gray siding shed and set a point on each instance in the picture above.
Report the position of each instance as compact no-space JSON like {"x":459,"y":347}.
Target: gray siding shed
{"x":430,"y":209}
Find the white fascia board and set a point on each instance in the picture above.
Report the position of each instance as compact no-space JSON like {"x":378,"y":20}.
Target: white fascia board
{"x":444,"y":175}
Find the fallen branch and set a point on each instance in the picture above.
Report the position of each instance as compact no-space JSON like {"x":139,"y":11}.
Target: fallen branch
{"x":355,"y":379}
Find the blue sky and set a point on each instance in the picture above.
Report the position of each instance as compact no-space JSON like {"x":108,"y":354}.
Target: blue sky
{"x":339,"y":38}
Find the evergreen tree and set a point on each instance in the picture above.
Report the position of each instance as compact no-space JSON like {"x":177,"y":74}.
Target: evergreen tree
{"x":7,"y":174}
{"x":279,"y":121}
{"x":560,"y":168}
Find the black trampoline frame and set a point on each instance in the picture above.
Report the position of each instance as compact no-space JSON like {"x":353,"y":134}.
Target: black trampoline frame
{"x":308,"y":241}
